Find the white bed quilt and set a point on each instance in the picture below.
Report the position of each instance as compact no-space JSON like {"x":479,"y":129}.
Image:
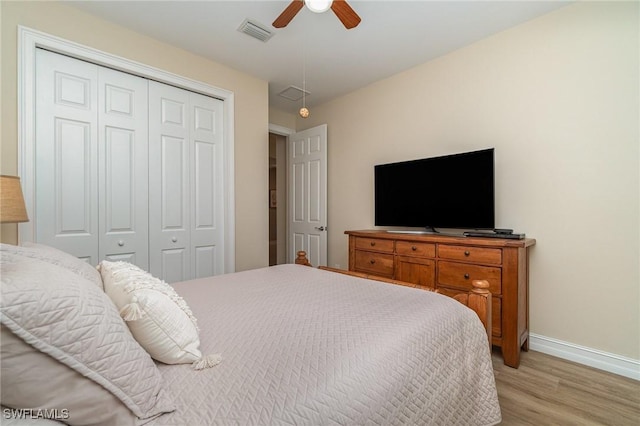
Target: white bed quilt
{"x":302,"y":346}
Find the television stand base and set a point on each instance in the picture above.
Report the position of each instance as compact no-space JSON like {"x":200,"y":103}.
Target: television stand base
{"x":495,"y":235}
{"x":410,"y":232}
{"x":427,"y":230}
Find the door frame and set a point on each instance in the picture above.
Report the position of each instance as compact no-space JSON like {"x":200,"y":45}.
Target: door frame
{"x":284,"y":131}
{"x":29,"y":40}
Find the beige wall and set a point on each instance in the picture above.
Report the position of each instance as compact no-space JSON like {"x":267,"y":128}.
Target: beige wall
{"x":282,"y":118}
{"x":558,"y":98}
{"x":251,"y":105}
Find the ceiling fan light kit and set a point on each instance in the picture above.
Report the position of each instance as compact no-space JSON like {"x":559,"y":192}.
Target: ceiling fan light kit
{"x":318,"y":6}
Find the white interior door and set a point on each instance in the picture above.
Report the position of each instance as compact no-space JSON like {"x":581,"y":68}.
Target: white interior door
{"x":91,"y":160}
{"x":307,"y":183}
{"x":66,"y":158}
{"x":207,"y":185}
{"x":123,"y":167}
{"x":186,"y":184}
{"x":169,"y":254}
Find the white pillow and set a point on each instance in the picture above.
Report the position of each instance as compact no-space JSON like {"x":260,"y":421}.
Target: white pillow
{"x":57,"y":257}
{"x":32,"y":380}
{"x":67,"y":317}
{"x":157,"y":316}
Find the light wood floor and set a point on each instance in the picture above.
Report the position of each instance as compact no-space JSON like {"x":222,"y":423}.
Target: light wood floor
{"x":546,"y":390}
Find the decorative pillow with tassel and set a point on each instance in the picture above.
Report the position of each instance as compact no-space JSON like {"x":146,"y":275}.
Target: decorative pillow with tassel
{"x":157,"y":316}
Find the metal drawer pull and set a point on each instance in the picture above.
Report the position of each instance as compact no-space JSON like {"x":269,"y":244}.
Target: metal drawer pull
{"x":372,"y":261}
{"x":466,"y":276}
{"x":466,"y":253}
{"x":373,"y":243}
{"x":414,"y":248}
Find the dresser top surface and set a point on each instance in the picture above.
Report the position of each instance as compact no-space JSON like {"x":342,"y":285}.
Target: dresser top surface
{"x":442,"y":238}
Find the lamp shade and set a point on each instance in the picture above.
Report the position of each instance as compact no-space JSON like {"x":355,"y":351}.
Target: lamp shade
{"x":12,"y":209}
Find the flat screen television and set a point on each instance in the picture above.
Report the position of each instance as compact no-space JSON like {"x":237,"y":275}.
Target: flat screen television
{"x":451,"y":191}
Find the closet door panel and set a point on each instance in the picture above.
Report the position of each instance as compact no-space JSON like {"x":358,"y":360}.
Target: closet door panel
{"x":173,"y":265}
{"x":66,"y":159}
{"x":205,"y":259}
{"x":169,"y":183}
{"x":71,"y":173}
{"x":174,"y":185}
{"x":206,"y":188}
{"x":123,"y":160}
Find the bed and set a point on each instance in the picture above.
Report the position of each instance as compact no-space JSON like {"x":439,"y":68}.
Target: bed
{"x":297,"y":345}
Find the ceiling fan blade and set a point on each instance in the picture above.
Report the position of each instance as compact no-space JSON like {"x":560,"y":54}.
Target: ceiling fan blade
{"x":287,"y":15}
{"x":345,"y":14}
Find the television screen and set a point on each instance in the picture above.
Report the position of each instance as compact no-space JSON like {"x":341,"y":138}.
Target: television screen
{"x":452,"y":191}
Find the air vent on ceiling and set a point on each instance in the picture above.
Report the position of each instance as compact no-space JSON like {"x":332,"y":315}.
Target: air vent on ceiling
{"x":256,"y":30}
{"x":293,"y":93}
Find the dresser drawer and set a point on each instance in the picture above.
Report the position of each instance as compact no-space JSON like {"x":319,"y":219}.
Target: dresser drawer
{"x":374,"y":263}
{"x":460,"y":275}
{"x":492,"y":256}
{"x":374,"y":244}
{"x":411,"y":248}
{"x":416,"y":270}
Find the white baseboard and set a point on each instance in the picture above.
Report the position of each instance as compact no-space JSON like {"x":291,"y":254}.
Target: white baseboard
{"x":588,"y":356}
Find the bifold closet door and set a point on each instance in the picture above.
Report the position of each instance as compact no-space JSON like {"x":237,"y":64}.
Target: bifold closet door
{"x":91,"y":160}
{"x":128,"y":169}
{"x":186,"y":196}
{"x":123,"y":123}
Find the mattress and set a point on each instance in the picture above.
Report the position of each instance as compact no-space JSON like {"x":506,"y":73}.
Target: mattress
{"x":303,"y":346}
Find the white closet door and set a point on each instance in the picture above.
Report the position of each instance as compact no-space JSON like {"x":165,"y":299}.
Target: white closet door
{"x":123,"y":167}
{"x":207,"y":192}
{"x":66,"y":168}
{"x":128,"y":169}
{"x":186,"y":184}
{"x":169,"y":187}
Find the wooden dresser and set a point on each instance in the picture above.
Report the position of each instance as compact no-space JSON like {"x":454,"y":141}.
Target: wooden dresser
{"x":449,"y":264}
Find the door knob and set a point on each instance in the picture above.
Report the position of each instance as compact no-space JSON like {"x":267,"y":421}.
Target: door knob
{"x":321,"y":228}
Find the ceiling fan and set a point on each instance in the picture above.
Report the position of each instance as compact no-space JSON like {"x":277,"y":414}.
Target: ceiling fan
{"x":343,"y":11}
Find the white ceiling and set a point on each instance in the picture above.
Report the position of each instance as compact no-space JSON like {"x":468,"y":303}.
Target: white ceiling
{"x":393,"y":36}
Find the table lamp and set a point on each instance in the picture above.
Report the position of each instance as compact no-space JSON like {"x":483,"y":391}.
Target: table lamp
{"x":12,"y":208}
